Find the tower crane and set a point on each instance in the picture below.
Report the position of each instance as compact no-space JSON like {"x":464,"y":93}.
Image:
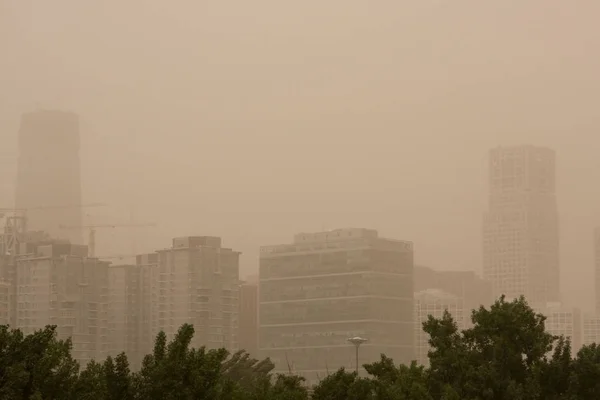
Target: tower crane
{"x":16,"y":222}
{"x":93,"y":228}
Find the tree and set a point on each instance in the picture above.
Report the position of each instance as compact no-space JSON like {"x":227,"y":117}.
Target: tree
{"x":585,"y":376}
{"x":391,"y":382}
{"x":343,"y":385}
{"x":497,"y":359}
{"x":37,"y":366}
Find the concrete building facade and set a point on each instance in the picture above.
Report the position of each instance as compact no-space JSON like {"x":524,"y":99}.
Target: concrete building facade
{"x":133,"y":317}
{"x":248,"y":316}
{"x":591,"y":329}
{"x":48,"y":177}
{"x":520,"y":230}
{"x":198,"y":283}
{"x":59,"y":285}
{"x":434,"y":302}
{"x":326,"y":287}
{"x":564,"y":321}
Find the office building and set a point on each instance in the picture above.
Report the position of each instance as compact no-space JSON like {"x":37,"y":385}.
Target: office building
{"x":564,"y":321}
{"x":434,"y":302}
{"x":59,"y":285}
{"x":591,"y":329}
{"x":48,"y":177}
{"x":198,"y":283}
{"x":466,"y":285}
{"x":248,"y":316}
{"x":326,"y":287}
{"x":520,"y":230}
{"x":5,"y":305}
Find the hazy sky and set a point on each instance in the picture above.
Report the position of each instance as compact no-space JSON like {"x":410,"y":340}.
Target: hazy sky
{"x":254,"y":120}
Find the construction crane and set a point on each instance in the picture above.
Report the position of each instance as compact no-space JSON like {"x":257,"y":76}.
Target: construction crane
{"x":23,"y":211}
{"x":16,"y":222}
{"x":92,"y":228}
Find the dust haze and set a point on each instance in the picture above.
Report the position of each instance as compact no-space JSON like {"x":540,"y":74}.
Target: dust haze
{"x":257,"y":120}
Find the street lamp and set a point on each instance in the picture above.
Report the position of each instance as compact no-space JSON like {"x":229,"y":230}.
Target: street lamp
{"x":357,"y":341}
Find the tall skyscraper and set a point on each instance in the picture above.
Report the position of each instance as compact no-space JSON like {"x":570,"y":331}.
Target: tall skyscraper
{"x":327,"y":287}
{"x":520,"y":229}
{"x":49,"y":172}
{"x":597,"y":268}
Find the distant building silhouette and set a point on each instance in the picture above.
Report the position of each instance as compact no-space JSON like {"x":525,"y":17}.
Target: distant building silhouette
{"x":327,"y":287}
{"x":520,"y":229}
{"x":49,"y":172}
{"x":466,"y":285}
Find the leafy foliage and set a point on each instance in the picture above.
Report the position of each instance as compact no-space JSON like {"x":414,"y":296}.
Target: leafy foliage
{"x":506,"y":354}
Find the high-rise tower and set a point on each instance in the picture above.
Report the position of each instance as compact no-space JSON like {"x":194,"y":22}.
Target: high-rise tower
{"x":521,"y":232}
{"x":48,"y":172}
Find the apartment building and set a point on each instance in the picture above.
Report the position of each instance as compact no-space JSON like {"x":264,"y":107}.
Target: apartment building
{"x":59,"y":285}
{"x":434,"y":302}
{"x":326,"y":287}
{"x":147,"y":299}
{"x":520,"y":230}
{"x":132,"y":317}
{"x":248,"y":316}
{"x":198,"y":283}
{"x":15,"y":244}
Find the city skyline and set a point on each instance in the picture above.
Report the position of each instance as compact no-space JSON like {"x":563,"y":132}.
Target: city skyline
{"x":374,"y":116}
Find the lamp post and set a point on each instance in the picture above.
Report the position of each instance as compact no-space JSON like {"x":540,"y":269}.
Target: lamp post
{"x":357,"y":341}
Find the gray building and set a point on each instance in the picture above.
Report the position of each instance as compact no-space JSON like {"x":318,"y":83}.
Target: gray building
{"x":329,"y":286}
{"x":520,"y":230}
